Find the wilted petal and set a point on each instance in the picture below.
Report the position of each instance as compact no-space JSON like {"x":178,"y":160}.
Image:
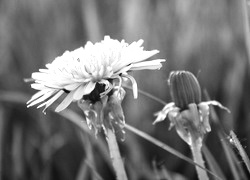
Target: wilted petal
{"x":161,"y":115}
{"x":215,"y":103}
{"x":204,"y":113}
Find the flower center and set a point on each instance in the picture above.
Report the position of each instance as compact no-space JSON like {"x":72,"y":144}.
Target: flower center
{"x":95,"y":95}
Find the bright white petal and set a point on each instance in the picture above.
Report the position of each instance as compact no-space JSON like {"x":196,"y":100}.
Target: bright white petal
{"x":71,"y":87}
{"x":123,"y":70}
{"x":43,"y":98}
{"x":83,"y":90}
{"x":38,"y":94}
{"x":134,"y":85}
{"x":51,"y":100}
{"x":66,"y":102}
{"x":161,"y":115}
{"x":144,"y":55}
{"x":154,"y":64}
{"x":216,"y":103}
{"x":37,"y":86}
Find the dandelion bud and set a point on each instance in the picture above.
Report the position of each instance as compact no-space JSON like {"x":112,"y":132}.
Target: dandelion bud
{"x":184,"y":89}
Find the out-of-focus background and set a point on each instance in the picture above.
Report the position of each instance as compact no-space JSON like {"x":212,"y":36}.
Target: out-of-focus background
{"x":208,"y":38}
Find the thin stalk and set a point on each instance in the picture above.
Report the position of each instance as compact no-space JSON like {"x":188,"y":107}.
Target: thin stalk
{"x":115,"y":155}
{"x":148,"y":95}
{"x":197,"y":156}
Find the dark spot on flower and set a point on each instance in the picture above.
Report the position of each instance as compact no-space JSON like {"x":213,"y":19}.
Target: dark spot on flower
{"x":94,"y":96}
{"x":66,"y":91}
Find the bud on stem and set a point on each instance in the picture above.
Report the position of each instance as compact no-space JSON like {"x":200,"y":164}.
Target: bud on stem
{"x":184,"y":89}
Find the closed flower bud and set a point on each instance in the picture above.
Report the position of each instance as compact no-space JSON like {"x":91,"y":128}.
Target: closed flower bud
{"x":184,"y":89}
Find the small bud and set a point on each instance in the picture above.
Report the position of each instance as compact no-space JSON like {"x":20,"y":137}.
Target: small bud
{"x":184,"y":89}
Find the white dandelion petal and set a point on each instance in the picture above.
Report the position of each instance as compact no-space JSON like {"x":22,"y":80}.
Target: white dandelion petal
{"x":145,"y":55}
{"x":154,"y":64}
{"x":40,"y":76}
{"x":38,"y":94}
{"x":215,"y":103}
{"x":66,"y":102}
{"x":161,"y":115}
{"x":83,"y":90}
{"x":42,"y":98}
{"x":134,"y":85}
{"x":71,"y":87}
{"x":38,"y":86}
{"x":50,"y":101}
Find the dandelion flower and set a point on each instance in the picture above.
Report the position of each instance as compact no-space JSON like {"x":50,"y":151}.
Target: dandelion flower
{"x":90,"y":72}
{"x":187,"y":113}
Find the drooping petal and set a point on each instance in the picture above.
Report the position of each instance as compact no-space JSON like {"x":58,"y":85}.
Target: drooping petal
{"x":51,"y":100}
{"x":161,"y":115}
{"x":38,"y":94}
{"x":83,"y":90}
{"x":134,"y":85}
{"x":215,"y":103}
{"x":65,"y":103}
{"x":42,"y":98}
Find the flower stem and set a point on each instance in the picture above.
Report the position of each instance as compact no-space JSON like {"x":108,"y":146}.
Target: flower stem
{"x":115,"y":155}
{"x":197,"y":156}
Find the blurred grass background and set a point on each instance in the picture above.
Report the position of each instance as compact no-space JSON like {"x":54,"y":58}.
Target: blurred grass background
{"x":208,"y":38}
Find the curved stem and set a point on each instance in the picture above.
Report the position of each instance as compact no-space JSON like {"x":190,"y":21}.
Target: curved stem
{"x":115,"y":155}
{"x":197,"y":156}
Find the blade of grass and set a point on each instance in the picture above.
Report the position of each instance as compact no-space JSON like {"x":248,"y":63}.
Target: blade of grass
{"x":147,"y":95}
{"x":234,"y":140}
{"x":230,"y":156}
{"x":213,"y":165}
{"x":230,"y":159}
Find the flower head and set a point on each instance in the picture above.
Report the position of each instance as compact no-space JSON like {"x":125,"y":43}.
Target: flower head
{"x":90,"y":73}
{"x":187,"y":113}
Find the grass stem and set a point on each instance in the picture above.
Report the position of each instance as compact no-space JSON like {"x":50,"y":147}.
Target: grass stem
{"x":197,"y":156}
{"x":115,"y":155}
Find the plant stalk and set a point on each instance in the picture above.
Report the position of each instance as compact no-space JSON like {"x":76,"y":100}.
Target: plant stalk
{"x":197,"y":156}
{"x":115,"y":155}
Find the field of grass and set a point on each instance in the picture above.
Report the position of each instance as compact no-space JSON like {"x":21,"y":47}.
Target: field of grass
{"x":208,"y":38}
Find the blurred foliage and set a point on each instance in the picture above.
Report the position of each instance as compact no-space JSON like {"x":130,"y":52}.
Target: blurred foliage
{"x":208,"y":38}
